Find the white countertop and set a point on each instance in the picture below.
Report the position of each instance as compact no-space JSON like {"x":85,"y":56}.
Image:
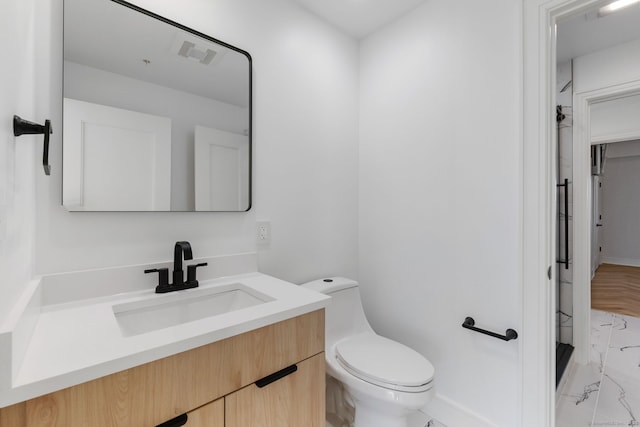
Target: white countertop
{"x":79,"y":341}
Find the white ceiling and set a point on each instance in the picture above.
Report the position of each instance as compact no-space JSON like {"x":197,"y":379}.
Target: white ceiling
{"x":586,"y":33}
{"x":359,"y":17}
{"x":581,"y":34}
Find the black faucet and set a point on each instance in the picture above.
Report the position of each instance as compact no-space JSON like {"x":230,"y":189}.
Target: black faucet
{"x":179,"y":250}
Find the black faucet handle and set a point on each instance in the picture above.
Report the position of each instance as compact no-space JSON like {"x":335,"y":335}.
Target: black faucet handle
{"x":163,"y":279}
{"x":191,"y":273}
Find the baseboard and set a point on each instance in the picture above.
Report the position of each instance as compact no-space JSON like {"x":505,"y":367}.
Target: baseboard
{"x":620,"y":261}
{"x":453,"y":414}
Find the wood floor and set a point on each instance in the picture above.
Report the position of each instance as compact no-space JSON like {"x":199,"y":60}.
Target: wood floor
{"x":616,"y":289}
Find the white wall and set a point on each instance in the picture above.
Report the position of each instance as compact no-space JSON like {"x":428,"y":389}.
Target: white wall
{"x":20,"y":82}
{"x":305,"y":148}
{"x":607,"y":67}
{"x":620,"y":210}
{"x":440,"y":189}
{"x":624,"y":149}
{"x":615,"y":120}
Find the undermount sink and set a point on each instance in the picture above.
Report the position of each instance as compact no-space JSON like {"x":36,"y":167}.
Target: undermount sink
{"x":159,"y":312}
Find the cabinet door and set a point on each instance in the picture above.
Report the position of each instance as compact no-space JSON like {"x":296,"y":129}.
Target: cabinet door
{"x":297,"y":399}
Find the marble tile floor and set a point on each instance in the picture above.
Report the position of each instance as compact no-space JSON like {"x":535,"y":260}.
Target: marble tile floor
{"x":606,"y":392}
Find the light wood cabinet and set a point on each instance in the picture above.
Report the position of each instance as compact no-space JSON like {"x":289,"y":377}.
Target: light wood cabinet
{"x":150,"y":394}
{"x":292,"y":401}
{"x":209,"y":415}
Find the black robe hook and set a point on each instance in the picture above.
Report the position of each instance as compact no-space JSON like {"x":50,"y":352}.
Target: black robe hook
{"x":22,"y":127}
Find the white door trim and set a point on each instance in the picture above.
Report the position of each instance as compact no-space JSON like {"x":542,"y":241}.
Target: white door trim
{"x":582,"y":205}
{"x":537,"y":345}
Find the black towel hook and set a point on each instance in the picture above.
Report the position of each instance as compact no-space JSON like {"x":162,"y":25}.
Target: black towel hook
{"x":22,"y":127}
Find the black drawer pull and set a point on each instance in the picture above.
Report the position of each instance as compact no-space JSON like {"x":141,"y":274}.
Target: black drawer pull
{"x":276,"y":376}
{"x":178,"y":421}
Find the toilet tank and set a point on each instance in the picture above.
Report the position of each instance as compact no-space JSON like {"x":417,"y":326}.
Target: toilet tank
{"x":344,"y":316}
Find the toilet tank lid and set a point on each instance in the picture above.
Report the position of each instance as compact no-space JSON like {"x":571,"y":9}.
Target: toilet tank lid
{"x":330,"y":285}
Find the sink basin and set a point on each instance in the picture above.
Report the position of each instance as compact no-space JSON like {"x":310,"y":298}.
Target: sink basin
{"x":151,"y":314}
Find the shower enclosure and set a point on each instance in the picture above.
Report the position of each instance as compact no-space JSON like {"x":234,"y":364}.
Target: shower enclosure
{"x":564,"y":272}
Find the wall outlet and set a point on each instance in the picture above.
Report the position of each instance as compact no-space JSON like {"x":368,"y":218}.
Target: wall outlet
{"x":263,"y":232}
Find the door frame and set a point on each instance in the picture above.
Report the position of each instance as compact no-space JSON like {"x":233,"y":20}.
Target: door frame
{"x":582,"y":208}
{"x":596,"y":217}
{"x":537,"y":347}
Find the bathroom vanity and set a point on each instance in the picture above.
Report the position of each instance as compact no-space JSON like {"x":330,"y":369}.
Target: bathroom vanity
{"x":256,"y":357}
{"x":213,"y":384}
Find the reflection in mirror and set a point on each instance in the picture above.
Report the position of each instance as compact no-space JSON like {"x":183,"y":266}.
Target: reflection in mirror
{"x":157,"y":117}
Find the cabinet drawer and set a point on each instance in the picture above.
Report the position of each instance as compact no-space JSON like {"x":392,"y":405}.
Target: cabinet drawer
{"x":210,"y":415}
{"x":294,"y":400}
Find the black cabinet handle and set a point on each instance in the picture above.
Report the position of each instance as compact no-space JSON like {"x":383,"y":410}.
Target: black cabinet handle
{"x":276,"y":376}
{"x":22,"y":127}
{"x":509,"y":335}
{"x":178,"y":421}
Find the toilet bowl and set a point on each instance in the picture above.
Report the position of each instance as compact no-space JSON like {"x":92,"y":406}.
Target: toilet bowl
{"x":385,"y":380}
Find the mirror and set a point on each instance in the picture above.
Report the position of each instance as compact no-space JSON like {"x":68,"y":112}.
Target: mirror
{"x":156,"y":116}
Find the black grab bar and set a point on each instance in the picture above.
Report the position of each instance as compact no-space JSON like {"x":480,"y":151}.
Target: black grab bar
{"x":509,"y":335}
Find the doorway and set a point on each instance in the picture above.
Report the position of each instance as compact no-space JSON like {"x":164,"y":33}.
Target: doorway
{"x":597,"y":388}
{"x":539,"y":201}
{"x":615,"y":286}
{"x":597,"y":112}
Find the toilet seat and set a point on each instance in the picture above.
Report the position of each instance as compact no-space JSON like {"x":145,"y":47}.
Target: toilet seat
{"x":385,"y":363}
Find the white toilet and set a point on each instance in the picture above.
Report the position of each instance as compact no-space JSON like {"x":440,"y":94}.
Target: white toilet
{"x":386,"y":380}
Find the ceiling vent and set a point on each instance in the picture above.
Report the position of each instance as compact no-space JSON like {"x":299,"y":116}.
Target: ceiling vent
{"x":188,"y":50}
{"x":200,"y":50}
